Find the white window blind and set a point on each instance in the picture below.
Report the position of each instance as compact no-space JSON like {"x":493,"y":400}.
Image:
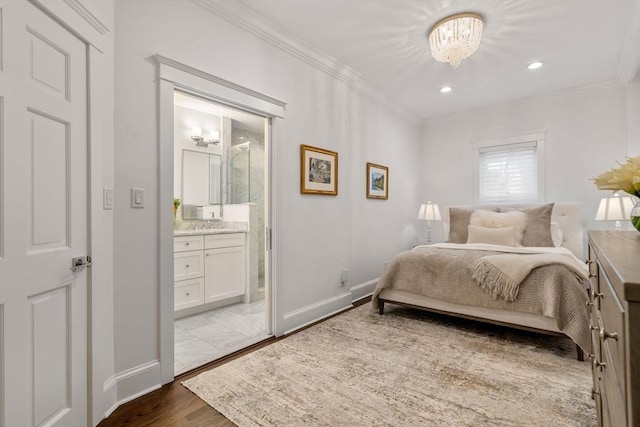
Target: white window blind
{"x":508,"y":173}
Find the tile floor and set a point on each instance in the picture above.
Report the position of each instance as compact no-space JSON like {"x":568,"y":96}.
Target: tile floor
{"x":207,"y":336}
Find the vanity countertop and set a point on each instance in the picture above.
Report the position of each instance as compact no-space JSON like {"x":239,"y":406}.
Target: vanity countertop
{"x":207,"y":231}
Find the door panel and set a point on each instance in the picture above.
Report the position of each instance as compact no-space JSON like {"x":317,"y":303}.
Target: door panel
{"x":43,"y":137}
{"x":48,"y":354}
{"x":47,"y":65}
{"x":47,"y":186}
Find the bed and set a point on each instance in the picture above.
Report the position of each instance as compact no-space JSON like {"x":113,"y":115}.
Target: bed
{"x":457,"y":278}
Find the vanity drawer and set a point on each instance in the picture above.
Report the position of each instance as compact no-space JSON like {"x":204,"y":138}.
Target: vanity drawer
{"x":224,"y":240}
{"x":188,"y":243}
{"x":188,"y":293}
{"x":188,"y":265}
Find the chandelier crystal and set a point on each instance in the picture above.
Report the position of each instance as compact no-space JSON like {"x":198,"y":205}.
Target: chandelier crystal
{"x":456,"y":37}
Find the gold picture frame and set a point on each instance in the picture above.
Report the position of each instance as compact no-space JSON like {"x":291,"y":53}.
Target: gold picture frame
{"x":318,"y":171}
{"x":377,"y":181}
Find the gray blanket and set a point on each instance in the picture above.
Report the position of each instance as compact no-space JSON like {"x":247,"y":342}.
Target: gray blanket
{"x":551,"y":290}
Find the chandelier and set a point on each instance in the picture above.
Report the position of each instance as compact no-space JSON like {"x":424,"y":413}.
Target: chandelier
{"x":456,"y":37}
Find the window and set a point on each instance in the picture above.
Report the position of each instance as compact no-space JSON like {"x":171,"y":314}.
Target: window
{"x":510,"y":170}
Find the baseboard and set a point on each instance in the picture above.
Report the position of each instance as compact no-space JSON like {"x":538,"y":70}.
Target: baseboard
{"x":137,"y":381}
{"x":304,"y":316}
{"x":363,"y":290}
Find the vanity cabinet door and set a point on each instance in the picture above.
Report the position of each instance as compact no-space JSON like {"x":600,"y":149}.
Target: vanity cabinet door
{"x":225,"y":273}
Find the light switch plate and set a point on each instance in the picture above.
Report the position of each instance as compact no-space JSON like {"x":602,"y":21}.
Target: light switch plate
{"x":107,"y":199}
{"x":137,"y":198}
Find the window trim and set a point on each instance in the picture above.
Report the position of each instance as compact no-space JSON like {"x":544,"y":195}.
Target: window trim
{"x":505,"y":142}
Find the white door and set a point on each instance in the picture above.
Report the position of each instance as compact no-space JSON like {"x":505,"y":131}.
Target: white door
{"x":43,"y":220}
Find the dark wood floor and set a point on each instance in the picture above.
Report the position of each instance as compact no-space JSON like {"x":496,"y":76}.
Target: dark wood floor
{"x":174,"y":405}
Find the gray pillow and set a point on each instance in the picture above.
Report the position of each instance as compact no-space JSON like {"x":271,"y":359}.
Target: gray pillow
{"x":459,"y":225}
{"x":538,"y":229}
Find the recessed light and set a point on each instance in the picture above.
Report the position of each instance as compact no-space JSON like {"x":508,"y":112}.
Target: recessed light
{"x":535,"y":65}
{"x":446,"y":89}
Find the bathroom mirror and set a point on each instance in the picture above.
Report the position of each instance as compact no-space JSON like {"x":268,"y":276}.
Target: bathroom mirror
{"x":201,"y":179}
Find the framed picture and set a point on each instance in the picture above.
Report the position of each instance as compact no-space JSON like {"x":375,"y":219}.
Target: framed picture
{"x":377,"y":181}
{"x":318,"y":171}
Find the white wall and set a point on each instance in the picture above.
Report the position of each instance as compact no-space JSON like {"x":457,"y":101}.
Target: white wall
{"x":586,"y":133}
{"x":316,"y":236}
{"x":633,"y":116}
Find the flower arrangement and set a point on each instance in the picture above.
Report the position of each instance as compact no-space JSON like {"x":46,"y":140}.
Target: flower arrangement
{"x":176,"y":205}
{"x":625,"y":178}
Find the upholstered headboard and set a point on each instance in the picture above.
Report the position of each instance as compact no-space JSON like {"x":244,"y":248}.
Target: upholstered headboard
{"x":567,"y":215}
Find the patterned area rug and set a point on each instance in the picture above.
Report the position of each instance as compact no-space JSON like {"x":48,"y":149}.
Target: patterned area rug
{"x":405,"y":368}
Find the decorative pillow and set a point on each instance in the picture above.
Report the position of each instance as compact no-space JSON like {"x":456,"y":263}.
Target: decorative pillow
{"x":538,"y":229}
{"x":458,"y":223}
{"x":490,"y":219}
{"x":556,"y":234}
{"x":505,"y":236}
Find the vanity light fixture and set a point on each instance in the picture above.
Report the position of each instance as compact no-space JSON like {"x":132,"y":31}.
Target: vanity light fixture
{"x":196,"y":136}
{"x":535,"y":65}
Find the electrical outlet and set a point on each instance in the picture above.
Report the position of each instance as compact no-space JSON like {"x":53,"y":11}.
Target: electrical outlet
{"x":344,"y":277}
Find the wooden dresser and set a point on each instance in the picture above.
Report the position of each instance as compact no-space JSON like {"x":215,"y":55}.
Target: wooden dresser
{"x":614,"y":266}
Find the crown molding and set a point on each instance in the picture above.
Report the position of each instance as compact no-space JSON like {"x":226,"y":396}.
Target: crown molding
{"x":534,"y":99}
{"x":629,"y":57}
{"x":239,"y":14}
{"x":89,"y":17}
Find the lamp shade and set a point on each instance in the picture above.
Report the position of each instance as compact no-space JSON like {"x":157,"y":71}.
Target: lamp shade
{"x":615,"y":207}
{"x":429,"y":211}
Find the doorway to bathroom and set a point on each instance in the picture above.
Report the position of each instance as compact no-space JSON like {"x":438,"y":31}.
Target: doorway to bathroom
{"x":220,"y":207}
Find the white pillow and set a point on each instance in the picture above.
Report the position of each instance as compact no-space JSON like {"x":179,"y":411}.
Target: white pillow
{"x":505,"y":236}
{"x":490,"y":219}
{"x":556,"y":234}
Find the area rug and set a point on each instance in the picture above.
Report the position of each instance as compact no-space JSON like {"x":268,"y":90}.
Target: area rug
{"x":405,"y":368}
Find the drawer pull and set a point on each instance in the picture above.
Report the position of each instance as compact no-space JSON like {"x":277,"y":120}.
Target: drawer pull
{"x":186,"y":266}
{"x":604,"y":335}
{"x":588,"y":261}
{"x":594,"y":328}
{"x":589,"y":303}
{"x":188,"y":293}
{"x":186,"y":244}
{"x":593,"y":275}
{"x":598,"y":295}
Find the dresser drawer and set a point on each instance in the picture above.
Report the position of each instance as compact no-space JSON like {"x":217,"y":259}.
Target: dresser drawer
{"x":614,"y":410}
{"x":612,"y":315}
{"x":188,"y":265}
{"x":188,"y":293}
{"x":225,"y":240}
{"x":188,"y":243}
